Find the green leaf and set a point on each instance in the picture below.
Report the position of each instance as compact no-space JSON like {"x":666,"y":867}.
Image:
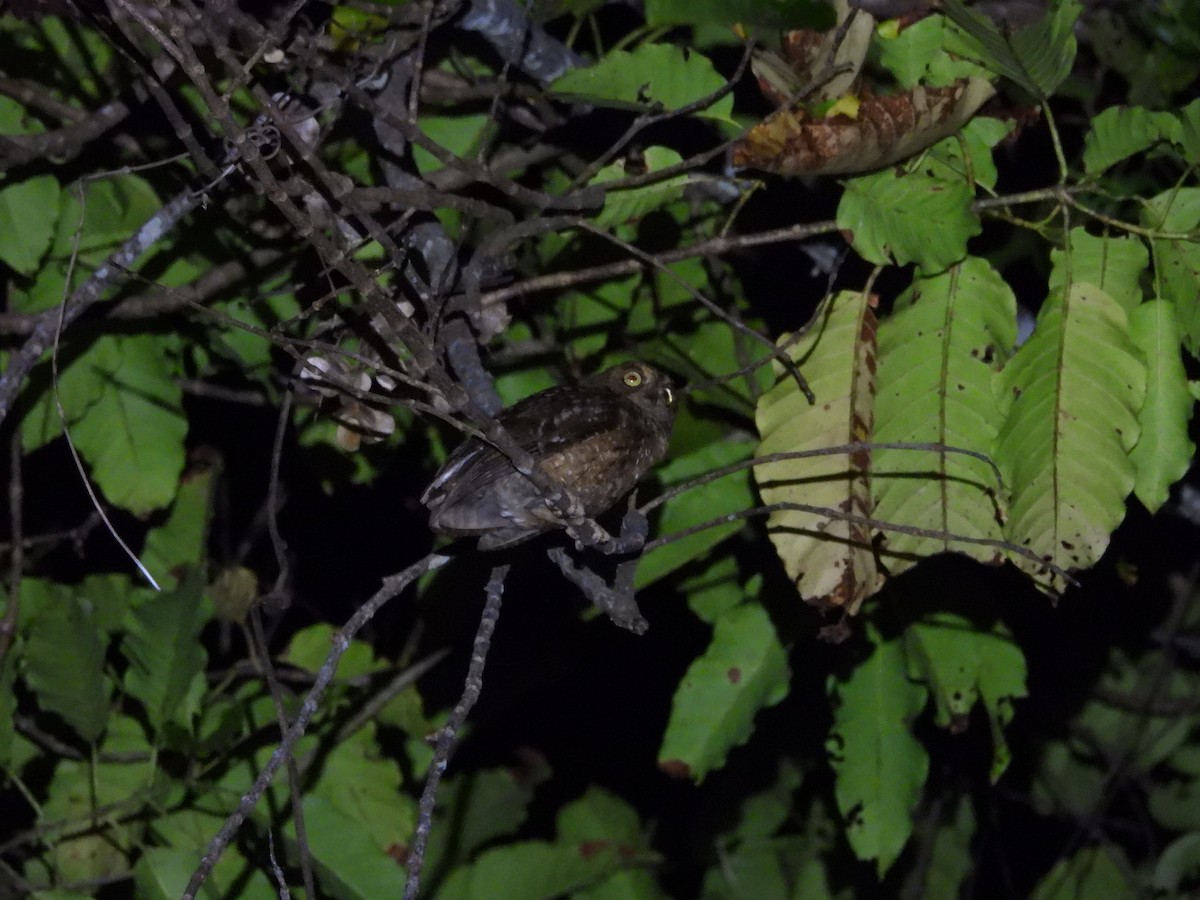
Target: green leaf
{"x":28,"y":213}
{"x":132,"y":435}
{"x":349,"y":866}
{"x":1070,"y":397}
{"x":716,"y":590}
{"x":1174,"y":800}
{"x":880,"y":768}
{"x":474,"y":809}
{"x":181,"y":540}
{"x":696,"y":506}
{"x":938,"y":353}
{"x":590,"y":316}
{"x":1094,"y":873}
{"x":599,"y":814}
{"x":908,"y":217}
{"x":1164,"y":450}
{"x":15,"y":119}
{"x":650,"y":76}
{"x":8,"y":700}
{"x":532,"y":870}
{"x":1119,"y":132}
{"x":460,"y":135}
{"x":64,"y":666}
{"x":163,"y":873}
{"x":1037,"y":57}
{"x":310,"y":646}
{"x":113,"y":210}
{"x":951,"y":860}
{"x":743,"y":670}
{"x":1177,"y":258}
{"x":358,"y":780}
{"x":980,"y":136}
{"x":1178,"y":866}
{"x":166,"y":658}
{"x":81,"y":383}
{"x":830,"y":560}
{"x":961,"y":665}
{"x":1116,"y":265}
{"x":630,"y":204}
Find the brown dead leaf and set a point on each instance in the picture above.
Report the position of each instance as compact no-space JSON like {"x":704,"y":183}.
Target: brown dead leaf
{"x":885,"y":131}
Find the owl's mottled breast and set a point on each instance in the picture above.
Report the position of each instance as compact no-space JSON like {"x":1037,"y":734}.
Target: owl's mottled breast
{"x":597,"y":440}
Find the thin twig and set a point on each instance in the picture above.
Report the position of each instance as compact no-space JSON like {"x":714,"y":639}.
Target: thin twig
{"x":448,"y":734}
{"x":392,"y":586}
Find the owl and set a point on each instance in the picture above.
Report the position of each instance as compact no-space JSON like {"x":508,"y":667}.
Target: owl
{"x":596,"y":439}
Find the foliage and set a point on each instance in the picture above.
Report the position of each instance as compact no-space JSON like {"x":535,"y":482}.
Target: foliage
{"x":262,"y":273}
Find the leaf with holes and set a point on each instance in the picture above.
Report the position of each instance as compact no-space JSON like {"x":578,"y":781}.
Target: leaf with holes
{"x":908,"y":217}
{"x":938,"y":355}
{"x":1070,"y":398}
{"x":650,"y":76}
{"x":879,"y":767}
{"x":962,"y":665}
{"x":831,"y":560}
{"x":743,"y":670}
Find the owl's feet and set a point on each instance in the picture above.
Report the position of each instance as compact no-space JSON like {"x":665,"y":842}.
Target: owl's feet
{"x":635,"y":528}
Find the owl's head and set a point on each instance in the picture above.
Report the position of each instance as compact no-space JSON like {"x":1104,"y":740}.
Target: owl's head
{"x":642,"y":383}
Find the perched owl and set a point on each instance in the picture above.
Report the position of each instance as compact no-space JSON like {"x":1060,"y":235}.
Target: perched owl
{"x":596,"y":439}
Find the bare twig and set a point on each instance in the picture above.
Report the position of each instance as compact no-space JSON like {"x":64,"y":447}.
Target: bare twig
{"x":447,"y":736}
{"x":392,"y":586}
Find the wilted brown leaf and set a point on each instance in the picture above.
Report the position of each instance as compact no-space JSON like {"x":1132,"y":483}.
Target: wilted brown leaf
{"x":884,"y":131}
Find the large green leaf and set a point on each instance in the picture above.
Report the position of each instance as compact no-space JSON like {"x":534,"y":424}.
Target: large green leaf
{"x":349,"y":865}
{"x":81,"y":382}
{"x":1164,"y":450}
{"x":938,"y":354}
{"x":132,"y":435}
{"x":163,"y":873}
{"x":962,"y":664}
{"x":113,"y":209}
{"x":476,"y":808}
{"x":1116,"y":265}
{"x":365,"y":784}
{"x":650,"y":75}
{"x":64,"y":666}
{"x":1037,"y":57}
{"x":181,"y":541}
{"x":879,"y":766}
{"x":1071,"y":397}
{"x":166,"y":658}
{"x":1175,"y":214}
{"x":1094,"y":873}
{"x":1119,"y":132}
{"x":8,"y":700}
{"x":630,"y":204}
{"x":698,"y":505}
{"x":906,"y":217}
{"x":743,"y":670}
{"x":78,"y":791}
{"x":531,"y":870}
{"x":28,"y":213}
{"x":832,"y":561}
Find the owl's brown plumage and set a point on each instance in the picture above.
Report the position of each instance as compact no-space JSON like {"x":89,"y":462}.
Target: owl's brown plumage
{"x":596,"y":439}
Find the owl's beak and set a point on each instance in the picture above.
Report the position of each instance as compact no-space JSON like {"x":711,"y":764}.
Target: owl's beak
{"x":669,"y":394}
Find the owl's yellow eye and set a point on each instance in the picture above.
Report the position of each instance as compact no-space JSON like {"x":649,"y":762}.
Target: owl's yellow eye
{"x":633,"y":378}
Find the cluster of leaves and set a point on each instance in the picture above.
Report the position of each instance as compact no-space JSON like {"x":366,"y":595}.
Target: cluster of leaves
{"x":141,"y":718}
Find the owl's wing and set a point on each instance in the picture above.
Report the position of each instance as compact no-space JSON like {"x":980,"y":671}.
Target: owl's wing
{"x":541,"y":425}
